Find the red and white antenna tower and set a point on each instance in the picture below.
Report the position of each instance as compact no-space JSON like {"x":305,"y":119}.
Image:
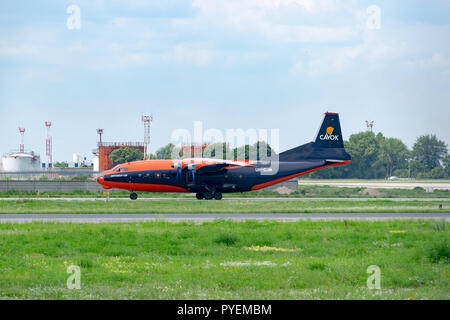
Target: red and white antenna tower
{"x":48,"y":144}
{"x":22,"y":133}
{"x":146,"y":120}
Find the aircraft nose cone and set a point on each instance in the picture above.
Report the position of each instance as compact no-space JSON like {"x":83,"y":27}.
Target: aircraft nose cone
{"x":100,"y":179}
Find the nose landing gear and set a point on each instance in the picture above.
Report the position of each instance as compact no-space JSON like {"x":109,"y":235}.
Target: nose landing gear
{"x":209,"y":195}
{"x":199,"y":195}
{"x":133,"y":196}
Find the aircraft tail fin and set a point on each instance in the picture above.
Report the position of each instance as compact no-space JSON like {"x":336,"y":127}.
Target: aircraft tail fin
{"x":329,"y":134}
{"x":328,"y":145}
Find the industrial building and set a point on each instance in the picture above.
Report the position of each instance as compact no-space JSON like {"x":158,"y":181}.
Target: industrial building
{"x":105,"y":148}
{"x":103,"y":152}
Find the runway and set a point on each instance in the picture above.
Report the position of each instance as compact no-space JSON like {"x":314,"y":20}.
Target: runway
{"x":231,"y":199}
{"x":206,"y":217}
{"x":378,"y":184}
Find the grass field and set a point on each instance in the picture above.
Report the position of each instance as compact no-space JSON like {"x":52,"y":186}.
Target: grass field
{"x":233,"y":206}
{"x":226,"y":260}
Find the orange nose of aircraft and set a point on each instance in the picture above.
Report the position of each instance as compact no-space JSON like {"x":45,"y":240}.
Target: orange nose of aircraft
{"x":101,"y":180}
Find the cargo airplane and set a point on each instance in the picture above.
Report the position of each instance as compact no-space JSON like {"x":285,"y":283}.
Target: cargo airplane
{"x":209,"y":178}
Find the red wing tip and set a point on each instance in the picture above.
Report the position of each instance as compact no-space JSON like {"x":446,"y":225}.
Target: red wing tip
{"x":331,"y":112}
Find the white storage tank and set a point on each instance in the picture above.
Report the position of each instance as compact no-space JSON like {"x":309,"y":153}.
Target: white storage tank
{"x":95,"y":164}
{"x":76,"y":158}
{"x":21,"y":162}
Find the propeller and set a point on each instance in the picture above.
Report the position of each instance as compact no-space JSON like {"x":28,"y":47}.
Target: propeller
{"x":191,"y":167}
{"x":177,"y":166}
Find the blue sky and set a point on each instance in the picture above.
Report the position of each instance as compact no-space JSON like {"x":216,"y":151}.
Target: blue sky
{"x":230,"y":63}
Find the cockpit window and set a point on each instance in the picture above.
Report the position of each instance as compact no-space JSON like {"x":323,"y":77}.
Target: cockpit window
{"x":119,"y":169}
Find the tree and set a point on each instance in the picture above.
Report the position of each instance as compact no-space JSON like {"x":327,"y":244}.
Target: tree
{"x":417,"y":169}
{"x":126,"y":154}
{"x":218,"y":150}
{"x":364,"y":149}
{"x":438,"y":173}
{"x":393,"y":154}
{"x":164,"y":152}
{"x":429,"y":151}
{"x":60,"y":164}
{"x":446,"y":164}
{"x":254,"y":151}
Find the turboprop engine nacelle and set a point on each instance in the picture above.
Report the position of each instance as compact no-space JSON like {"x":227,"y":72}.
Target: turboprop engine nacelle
{"x":177,"y":165}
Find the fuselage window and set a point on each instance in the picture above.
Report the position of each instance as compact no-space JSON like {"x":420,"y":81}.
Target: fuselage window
{"x":157,"y":175}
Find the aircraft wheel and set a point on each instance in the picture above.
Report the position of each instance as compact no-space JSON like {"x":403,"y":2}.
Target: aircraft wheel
{"x":133,"y":196}
{"x":208,"y":195}
{"x":218,"y":195}
{"x":199,"y":195}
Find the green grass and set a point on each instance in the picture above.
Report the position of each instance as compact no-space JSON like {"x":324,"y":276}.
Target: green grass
{"x":225,"y":260}
{"x":213,"y":206}
{"x":357,"y":192}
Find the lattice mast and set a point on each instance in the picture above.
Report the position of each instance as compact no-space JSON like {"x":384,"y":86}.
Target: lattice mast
{"x":22,"y":146}
{"x":48,"y":144}
{"x":100,"y":132}
{"x":369,"y":125}
{"x":147,"y":121}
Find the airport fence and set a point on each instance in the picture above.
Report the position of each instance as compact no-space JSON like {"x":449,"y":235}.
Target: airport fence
{"x":49,"y":186}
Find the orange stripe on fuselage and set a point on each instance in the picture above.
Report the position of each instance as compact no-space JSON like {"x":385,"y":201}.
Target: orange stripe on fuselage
{"x":271,"y":183}
{"x":145,"y":165}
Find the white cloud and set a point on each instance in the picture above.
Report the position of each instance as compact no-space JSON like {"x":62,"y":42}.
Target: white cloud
{"x":194,"y":54}
{"x":389,"y":49}
{"x":436,"y":61}
{"x":254,"y":17}
{"x":197,"y":54}
{"x":12,"y":49}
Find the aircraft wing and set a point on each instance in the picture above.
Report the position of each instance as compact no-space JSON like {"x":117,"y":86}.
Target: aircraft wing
{"x":204,"y":166}
{"x":212,"y":168}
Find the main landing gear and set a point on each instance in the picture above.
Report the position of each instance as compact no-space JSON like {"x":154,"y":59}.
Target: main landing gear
{"x":209,"y":195}
{"x":133,"y":196}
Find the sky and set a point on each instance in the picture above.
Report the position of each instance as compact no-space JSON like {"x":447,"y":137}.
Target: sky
{"x":263,"y":64}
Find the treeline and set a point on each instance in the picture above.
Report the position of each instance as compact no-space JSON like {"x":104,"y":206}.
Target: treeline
{"x":375,"y":156}
{"x":216,"y":150}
